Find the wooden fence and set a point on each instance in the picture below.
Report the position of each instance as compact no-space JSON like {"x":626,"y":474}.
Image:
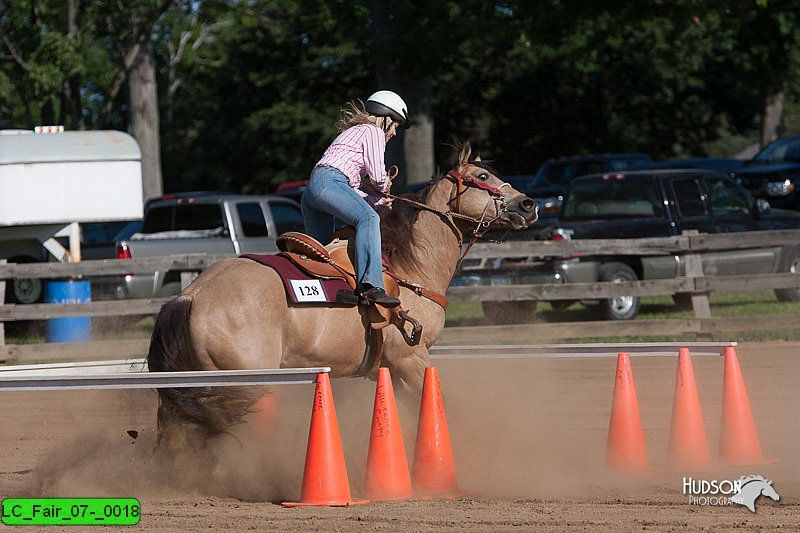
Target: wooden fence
{"x":694,"y":283}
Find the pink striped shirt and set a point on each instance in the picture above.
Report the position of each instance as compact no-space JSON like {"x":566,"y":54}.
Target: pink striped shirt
{"x":357,"y":152}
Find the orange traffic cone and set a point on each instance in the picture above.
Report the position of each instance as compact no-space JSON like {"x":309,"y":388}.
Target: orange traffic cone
{"x":387,"y":476}
{"x":434,"y":472}
{"x":626,"y":450}
{"x":688,"y":447}
{"x":738,"y":444}
{"x":325,"y":479}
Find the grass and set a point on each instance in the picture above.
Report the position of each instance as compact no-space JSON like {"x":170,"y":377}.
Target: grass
{"x":739,"y":304}
{"x":759,"y":303}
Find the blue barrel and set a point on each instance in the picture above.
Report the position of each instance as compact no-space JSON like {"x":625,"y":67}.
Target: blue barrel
{"x":72,"y":329}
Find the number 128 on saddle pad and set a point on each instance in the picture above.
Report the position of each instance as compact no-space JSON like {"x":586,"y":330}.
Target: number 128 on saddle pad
{"x":308,"y":290}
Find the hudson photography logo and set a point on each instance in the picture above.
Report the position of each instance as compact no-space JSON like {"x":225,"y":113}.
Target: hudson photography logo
{"x":743,"y":491}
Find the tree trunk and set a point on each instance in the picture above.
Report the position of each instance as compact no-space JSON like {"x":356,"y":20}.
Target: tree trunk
{"x":772,"y":118}
{"x":412,"y":149}
{"x":418,"y":140}
{"x":144,"y":119}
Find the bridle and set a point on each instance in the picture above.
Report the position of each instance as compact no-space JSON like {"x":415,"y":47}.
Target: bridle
{"x":463,"y":182}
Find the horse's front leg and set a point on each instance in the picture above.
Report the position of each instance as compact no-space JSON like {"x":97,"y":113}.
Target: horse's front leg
{"x":408,"y":374}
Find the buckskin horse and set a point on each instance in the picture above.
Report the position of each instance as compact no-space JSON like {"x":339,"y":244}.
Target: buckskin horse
{"x":237,"y":315}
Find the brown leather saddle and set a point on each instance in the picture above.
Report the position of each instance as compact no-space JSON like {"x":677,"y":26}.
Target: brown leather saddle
{"x":336,"y":262}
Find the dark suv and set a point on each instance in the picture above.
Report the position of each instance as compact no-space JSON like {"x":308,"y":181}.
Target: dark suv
{"x":774,"y":173}
{"x":550,"y":182}
{"x":647,"y":204}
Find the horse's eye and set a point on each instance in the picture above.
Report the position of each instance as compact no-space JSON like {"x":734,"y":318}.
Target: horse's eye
{"x":483,"y":176}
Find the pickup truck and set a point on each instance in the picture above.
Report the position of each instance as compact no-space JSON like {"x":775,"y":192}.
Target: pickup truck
{"x":53,"y":186}
{"x":649,"y":203}
{"x":203,"y":223}
{"x":553,"y":176}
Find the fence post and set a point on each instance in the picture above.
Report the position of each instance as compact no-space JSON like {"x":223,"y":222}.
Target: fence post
{"x":2,"y":301}
{"x":694,"y":270}
{"x":187,"y":278}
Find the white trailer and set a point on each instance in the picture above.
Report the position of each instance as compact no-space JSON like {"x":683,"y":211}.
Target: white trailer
{"x":50,"y":183}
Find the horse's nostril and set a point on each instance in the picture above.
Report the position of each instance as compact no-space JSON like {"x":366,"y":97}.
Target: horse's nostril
{"x":528,"y":204}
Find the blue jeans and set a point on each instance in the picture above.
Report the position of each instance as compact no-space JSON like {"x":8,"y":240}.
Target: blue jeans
{"x":329,"y":197}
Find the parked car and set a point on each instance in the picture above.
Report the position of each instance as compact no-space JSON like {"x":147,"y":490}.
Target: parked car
{"x":639,"y":204}
{"x":553,"y":177}
{"x":292,"y":189}
{"x":206,"y":223}
{"x":99,"y":241}
{"x":720,"y":164}
{"x":774,"y":173}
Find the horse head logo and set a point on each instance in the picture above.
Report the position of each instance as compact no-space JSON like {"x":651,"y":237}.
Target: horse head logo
{"x":751,"y":488}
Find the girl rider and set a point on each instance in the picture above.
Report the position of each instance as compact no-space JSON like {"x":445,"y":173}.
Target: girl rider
{"x":333,"y":191}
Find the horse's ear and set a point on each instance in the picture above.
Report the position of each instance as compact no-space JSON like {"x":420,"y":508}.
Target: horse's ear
{"x":464,"y":154}
{"x":477,"y":158}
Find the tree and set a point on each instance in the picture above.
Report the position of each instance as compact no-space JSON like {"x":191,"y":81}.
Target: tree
{"x":767,"y":54}
{"x":70,"y":63}
{"x":249,"y":91}
{"x":130,"y":31}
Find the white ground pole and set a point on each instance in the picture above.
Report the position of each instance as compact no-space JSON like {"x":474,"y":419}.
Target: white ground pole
{"x":132,"y":373}
{"x":77,"y":377}
{"x":527,"y":351}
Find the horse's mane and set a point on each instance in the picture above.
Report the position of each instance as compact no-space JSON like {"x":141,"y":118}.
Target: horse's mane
{"x":753,"y":477}
{"x":397,"y":235}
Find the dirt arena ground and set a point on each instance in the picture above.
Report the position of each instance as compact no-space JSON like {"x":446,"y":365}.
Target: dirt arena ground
{"x":528,"y":437}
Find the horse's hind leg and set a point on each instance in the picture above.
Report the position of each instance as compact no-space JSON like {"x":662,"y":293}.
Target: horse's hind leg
{"x":171,"y":428}
{"x":183,"y":454}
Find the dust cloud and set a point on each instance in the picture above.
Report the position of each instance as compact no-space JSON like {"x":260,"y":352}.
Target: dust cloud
{"x":519,"y":430}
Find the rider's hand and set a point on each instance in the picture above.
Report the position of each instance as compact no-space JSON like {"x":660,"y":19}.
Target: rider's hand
{"x":390,"y":176}
{"x":384,"y":202}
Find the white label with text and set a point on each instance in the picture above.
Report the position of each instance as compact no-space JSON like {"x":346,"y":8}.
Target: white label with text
{"x":308,"y":290}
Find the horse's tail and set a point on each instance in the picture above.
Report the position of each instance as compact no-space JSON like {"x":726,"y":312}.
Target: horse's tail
{"x":213,"y":410}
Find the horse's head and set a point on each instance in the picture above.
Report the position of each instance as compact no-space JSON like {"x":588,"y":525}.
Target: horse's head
{"x":751,"y":487}
{"x":769,"y":491}
{"x":480,"y":195}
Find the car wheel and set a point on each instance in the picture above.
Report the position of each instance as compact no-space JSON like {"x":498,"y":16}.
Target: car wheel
{"x":620,"y":307}
{"x":790,"y":295}
{"x":509,"y":312}
{"x":24,"y":290}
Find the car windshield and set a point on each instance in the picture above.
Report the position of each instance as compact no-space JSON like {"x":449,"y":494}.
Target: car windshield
{"x":787,"y":149}
{"x":562,"y":173}
{"x":182,"y":217}
{"x":612,"y":199}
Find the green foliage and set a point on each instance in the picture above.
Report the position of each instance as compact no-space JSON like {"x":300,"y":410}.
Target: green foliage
{"x":249,"y":91}
{"x":262,"y":111}
{"x":51,"y":64}
{"x":743,"y":304}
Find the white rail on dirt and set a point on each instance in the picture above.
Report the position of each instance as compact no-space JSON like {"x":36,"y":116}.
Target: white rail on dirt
{"x":523,"y":351}
{"x":105,"y":374}
{"x":35,"y":380}
{"x":82,"y":368}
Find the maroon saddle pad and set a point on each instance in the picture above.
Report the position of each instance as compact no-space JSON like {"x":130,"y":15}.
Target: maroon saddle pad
{"x":300,"y":287}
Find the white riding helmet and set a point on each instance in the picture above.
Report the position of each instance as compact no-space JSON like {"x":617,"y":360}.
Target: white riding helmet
{"x":388,"y":104}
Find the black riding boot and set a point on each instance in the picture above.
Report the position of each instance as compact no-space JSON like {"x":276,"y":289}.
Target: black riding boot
{"x":369,"y":295}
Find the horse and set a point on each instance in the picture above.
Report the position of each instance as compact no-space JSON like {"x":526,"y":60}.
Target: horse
{"x":235,"y":315}
{"x":752,"y":487}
